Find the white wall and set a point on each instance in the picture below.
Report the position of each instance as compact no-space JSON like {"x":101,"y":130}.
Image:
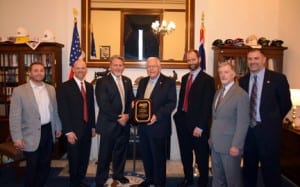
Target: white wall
{"x":223,"y":19}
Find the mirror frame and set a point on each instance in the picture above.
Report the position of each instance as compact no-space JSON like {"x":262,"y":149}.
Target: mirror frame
{"x":96,"y":63}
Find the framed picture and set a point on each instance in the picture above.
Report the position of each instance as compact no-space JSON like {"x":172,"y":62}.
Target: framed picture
{"x":104,"y":52}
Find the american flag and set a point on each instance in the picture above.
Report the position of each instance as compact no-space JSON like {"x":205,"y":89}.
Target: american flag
{"x":75,"y":49}
{"x":201,"y":48}
{"x":93,"y":48}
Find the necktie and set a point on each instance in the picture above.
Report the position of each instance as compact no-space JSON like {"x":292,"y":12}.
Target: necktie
{"x":85,"y":107}
{"x":121,"y":91}
{"x":220,"y":97}
{"x":148,"y":89}
{"x":253,"y":102}
{"x":187,"y":92}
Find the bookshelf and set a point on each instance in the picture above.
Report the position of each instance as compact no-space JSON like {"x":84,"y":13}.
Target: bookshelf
{"x":15,"y":60}
{"x":238,"y":56}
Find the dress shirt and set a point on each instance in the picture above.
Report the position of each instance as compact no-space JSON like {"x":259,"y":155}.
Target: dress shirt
{"x":226,"y":89}
{"x":78,"y":82}
{"x":259,"y":84}
{"x":42,"y":99}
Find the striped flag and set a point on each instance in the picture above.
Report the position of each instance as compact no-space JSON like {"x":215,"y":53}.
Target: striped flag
{"x":93,"y":48}
{"x":201,"y":48}
{"x":75,"y":49}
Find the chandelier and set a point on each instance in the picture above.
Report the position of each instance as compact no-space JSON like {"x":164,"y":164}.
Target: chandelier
{"x":163,"y":28}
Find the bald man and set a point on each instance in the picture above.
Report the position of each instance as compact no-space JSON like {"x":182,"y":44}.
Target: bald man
{"x":76,"y":109}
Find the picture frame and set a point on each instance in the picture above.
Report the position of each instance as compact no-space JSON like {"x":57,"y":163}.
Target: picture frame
{"x":104,"y":52}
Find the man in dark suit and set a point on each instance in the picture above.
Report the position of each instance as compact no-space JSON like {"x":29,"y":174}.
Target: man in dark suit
{"x":77,"y":113}
{"x":230,"y":123}
{"x":271,"y":102}
{"x":114,"y":95}
{"x":153,"y":135}
{"x":34,"y":124}
{"x":192,"y":119}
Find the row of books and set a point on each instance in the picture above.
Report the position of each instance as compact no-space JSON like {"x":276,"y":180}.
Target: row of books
{"x":3,"y":110}
{"x":46,"y":59}
{"x":6,"y":92}
{"x":8,"y":60}
{"x":9,"y":75}
{"x":241,"y":65}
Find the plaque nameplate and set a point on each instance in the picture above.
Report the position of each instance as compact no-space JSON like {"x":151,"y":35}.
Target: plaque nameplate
{"x":142,"y":110}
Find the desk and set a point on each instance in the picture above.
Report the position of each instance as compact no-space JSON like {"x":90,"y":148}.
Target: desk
{"x":290,"y":154}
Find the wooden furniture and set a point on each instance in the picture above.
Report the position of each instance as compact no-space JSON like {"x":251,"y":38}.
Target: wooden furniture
{"x":238,"y":56}
{"x":290,"y":154}
{"x":15,"y":60}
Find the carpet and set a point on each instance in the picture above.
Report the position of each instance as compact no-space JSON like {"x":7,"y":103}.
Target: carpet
{"x":58,"y":177}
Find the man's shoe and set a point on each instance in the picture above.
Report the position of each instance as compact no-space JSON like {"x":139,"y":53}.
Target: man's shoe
{"x":123,"y":180}
{"x":185,"y":183}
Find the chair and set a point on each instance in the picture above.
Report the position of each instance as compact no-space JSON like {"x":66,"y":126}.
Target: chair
{"x":7,"y":149}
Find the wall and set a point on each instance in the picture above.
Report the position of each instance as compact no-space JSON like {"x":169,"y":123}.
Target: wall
{"x":223,"y":19}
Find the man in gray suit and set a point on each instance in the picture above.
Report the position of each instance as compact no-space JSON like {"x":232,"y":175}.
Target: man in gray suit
{"x":34,"y":124}
{"x":229,"y":128}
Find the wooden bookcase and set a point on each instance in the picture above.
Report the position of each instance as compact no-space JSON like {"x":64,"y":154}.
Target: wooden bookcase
{"x":15,"y":60}
{"x":238,"y":56}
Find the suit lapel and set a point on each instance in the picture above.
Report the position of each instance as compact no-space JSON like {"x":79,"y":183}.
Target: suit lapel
{"x":157,"y":86}
{"x":227,"y":96}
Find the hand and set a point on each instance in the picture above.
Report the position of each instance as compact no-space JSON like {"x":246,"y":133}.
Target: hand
{"x":72,"y":138}
{"x":152,"y":120}
{"x":57,"y":134}
{"x":234,"y":151}
{"x":19,"y":144}
{"x":123,"y":118}
{"x":197,"y":132}
{"x":93,"y":132}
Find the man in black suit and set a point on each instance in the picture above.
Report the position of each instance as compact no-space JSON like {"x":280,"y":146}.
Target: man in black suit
{"x":77,"y":113}
{"x":114,"y":95}
{"x":153,"y":135}
{"x":192,"y":119}
{"x":272,"y":102}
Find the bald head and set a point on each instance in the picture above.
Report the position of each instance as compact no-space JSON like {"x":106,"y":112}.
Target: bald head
{"x":79,"y":69}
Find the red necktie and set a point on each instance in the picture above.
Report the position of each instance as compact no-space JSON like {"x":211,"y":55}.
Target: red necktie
{"x":85,"y":107}
{"x":187,"y":92}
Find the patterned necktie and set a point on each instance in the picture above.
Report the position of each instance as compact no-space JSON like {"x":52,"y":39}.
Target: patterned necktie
{"x":85,"y":107}
{"x":148,"y":89}
{"x":187,"y":92}
{"x":253,"y":102}
{"x":220,"y":98}
{"x":121,"y":91}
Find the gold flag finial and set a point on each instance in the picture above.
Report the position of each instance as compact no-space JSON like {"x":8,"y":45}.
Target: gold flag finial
{"x":202,"y":19}
{"x":75,"y":14}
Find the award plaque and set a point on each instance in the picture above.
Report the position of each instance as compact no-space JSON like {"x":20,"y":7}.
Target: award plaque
{"x":142,"y":110}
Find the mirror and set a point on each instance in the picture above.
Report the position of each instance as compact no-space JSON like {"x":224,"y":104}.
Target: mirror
{"x":98,"y":20}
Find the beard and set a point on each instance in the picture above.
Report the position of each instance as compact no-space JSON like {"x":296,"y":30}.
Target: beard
{"x":193,"y":67}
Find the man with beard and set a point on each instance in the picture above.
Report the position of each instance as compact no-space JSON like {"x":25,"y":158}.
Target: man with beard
{"x":192,"y":119}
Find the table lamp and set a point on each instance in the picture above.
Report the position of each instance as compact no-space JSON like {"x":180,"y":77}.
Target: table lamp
{"x":295,"y":97}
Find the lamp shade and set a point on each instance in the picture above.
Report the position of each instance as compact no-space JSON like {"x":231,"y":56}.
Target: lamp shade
{"x":295,"y":97}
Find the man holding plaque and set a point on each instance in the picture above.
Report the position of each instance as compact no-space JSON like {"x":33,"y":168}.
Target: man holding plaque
{"x":114,"y":95}
{"x":161,"y":91}
{"x":192,"y":119}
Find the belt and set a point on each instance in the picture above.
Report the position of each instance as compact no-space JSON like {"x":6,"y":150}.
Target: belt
{"x":46,"y":124}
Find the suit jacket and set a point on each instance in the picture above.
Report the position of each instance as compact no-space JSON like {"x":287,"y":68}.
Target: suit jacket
{"x":110,"y":104}
{"x":70,"y":107}
{"x":275,"y":99}
{"x":199,"y":103}
{"x":164,"y":99}
{"x":230,"y":120}
{"x":24,"y":116}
